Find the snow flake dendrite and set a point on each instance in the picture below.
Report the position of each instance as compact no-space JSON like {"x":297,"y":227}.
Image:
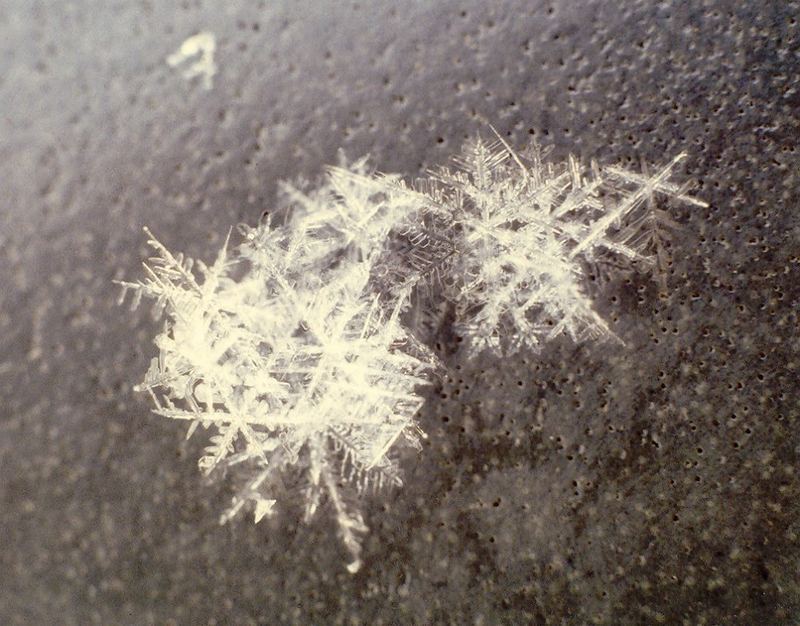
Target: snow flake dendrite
{"x":287,"y":354}
{"x":526,"y":231}
{"x":298,"y":347}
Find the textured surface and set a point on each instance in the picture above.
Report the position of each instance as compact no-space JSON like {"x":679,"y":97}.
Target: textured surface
{"x":655,"y":482}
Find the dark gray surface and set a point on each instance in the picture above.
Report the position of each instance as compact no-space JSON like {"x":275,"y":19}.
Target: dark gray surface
{"x":645,"y":484}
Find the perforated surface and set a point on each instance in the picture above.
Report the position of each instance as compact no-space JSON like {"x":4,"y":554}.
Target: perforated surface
{"x":651,"y":483}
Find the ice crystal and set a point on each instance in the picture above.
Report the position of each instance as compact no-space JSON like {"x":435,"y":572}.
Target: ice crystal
{"x":293,"y":348}
{"x":526,"y":230}
{"x":201,"y":48}
{"x":282,"y":348}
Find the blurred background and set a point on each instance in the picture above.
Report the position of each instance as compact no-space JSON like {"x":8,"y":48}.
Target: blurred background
{"x":651,"y":483}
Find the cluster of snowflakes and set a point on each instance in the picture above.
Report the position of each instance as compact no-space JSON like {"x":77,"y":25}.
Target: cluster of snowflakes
{"x":298,"y":347}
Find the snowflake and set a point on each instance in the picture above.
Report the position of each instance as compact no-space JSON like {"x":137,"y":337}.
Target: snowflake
{"x":200,"y":47}
{"x":526,"y":232}
{"x":287,"y":354}
{"x":294,"y":347}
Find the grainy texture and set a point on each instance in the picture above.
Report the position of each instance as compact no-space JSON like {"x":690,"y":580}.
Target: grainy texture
{"x":655,"y":482}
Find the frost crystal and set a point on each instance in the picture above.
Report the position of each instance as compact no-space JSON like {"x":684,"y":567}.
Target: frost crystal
{"x":527,"y":230}
{"x":291,"y":348}
{"x":200,"y":47}
{"x":286,"y":353}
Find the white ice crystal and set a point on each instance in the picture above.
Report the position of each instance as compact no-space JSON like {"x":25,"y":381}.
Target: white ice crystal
{"x":526,"y":231}
{"x":291,"y":347}
{"x":287,"y":354}
{"x":201,"y":48}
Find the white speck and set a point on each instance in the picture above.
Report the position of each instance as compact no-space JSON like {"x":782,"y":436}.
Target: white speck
{"x":203,"y":44}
